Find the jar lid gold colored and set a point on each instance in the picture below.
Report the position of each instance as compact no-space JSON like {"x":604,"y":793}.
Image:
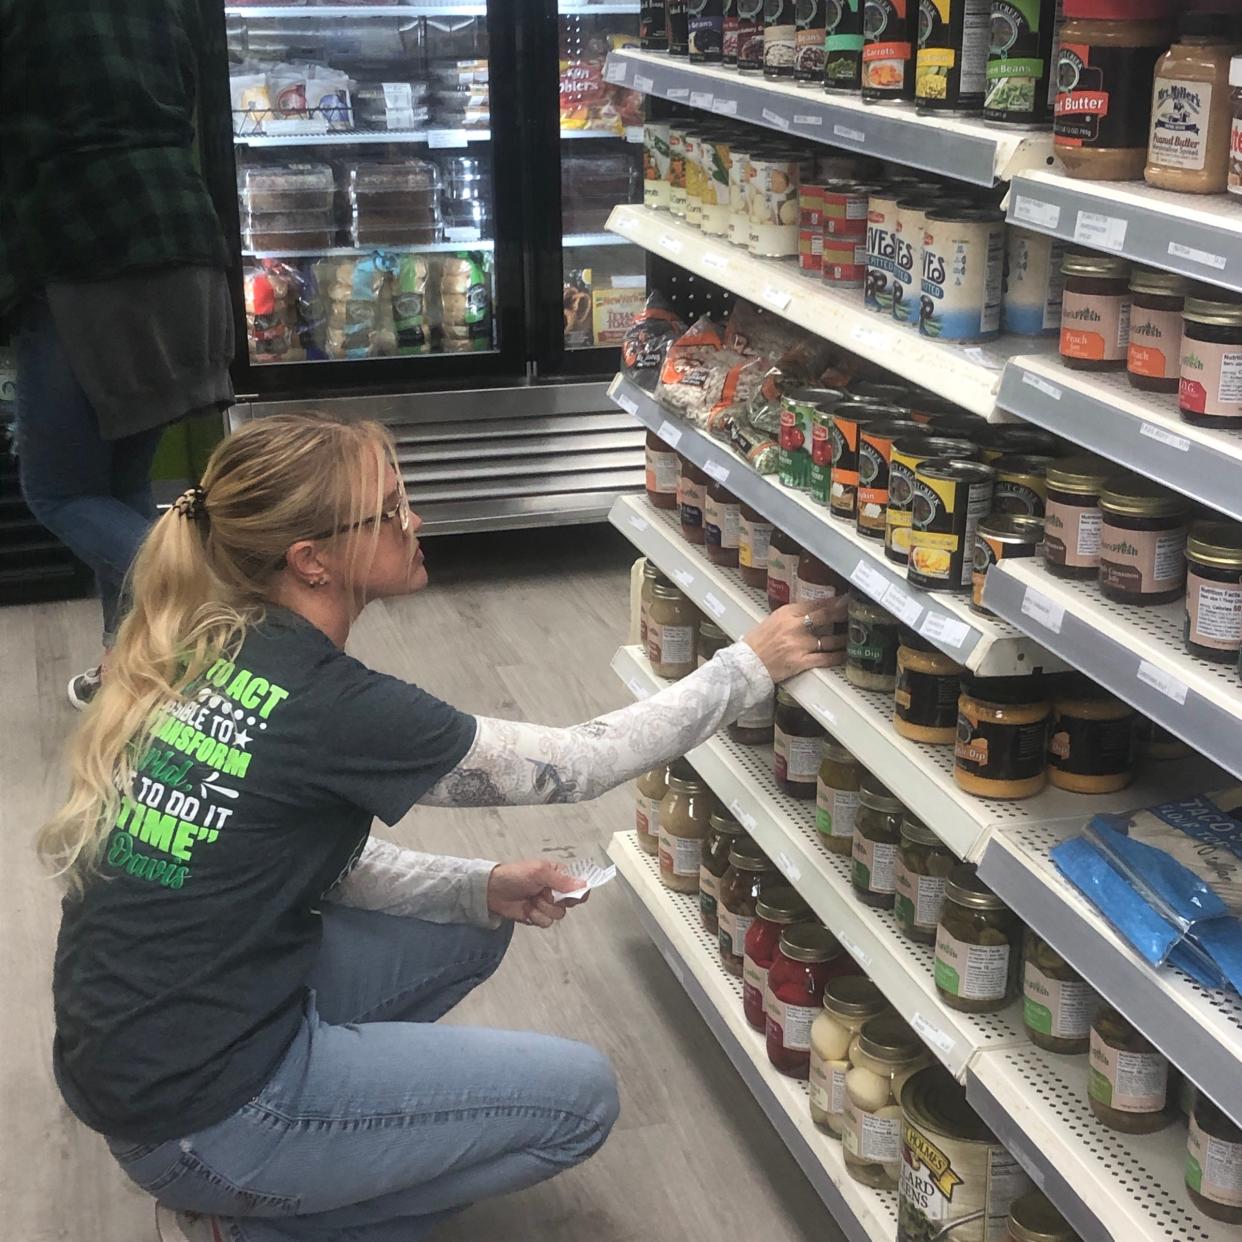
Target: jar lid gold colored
{"x":1081,"y":475}
{"x":1033,"y":1219}
{"x":1097,"y":265}
{"x":809,"y":942}
{"x":712,"y":632}
{"x":853,"y":996}
{"x":782,"y":905}
{"x":889,"y":1038}
{"x":1131,"y":496}
{"x":745,"y":855}
{"x":662,"y":590}
{"x":1164,"y":284}
{"x":1211,"y":311}
{"x":1218,"y":544}
{"x":915,"y":830}
{"x":966,"y":888}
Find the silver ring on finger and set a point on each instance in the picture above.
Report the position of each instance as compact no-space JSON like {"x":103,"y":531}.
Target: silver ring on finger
{"x":819,"y":644}
{"x":807,"y":623}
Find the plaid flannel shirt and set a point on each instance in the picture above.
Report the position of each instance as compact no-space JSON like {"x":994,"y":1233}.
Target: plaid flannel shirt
{"x":98,"y":174}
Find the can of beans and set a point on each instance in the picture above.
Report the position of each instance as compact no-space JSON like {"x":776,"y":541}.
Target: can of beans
{"x":907,"y":453}
{"x":810,"y":22}
{"x":1021,"y":483}
{"x":843,"y":47}
{"x":772,"y":205}
{"x":909,"y":227}
{"x":655,"y":164}
{"x":705,"y":26}
{"x":739,"y":212}
{"x":875,"y":450}
{"x":717,"y":158}
{"x":951,"y":498}
{"x":780,"y":34}
{"x":882,"y":244}
{"x":963,"y":274}
{"x":677,"y":168}
{"x":999,"y":537}
{"x":848,"y":420}
{"x":950,"y":65}
{"x":749,"y":36}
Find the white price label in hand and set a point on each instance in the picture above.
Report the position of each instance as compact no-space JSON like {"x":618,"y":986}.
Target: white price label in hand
{"x":584,"y":869}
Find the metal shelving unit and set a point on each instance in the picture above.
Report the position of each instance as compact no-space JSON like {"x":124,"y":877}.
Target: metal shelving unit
{"x":672,"y":922}
{"x":983,"y":644}
{"x":1106,"y":414}
{"x":862,"y":719}
{"x":1135,"y":652}
{"x":949,"y":146}
{"x":968,"y":375}
{"x":1197,"y":235}
{"x":1199,"y":1030}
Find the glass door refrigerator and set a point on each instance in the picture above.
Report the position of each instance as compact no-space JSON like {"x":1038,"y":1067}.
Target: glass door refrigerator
{"x":379,"y":165}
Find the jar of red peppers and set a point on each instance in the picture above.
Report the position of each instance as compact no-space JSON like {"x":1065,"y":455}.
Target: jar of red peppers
{"x":784,"y":554}
{"x":796,"y":748}
{"x":808,"y":956}
{"x":753,"y":537}
{"x":749,"y":873}
{"x":692,"y":500}
{"x":777,"y":909}
{"x":723,"y":833}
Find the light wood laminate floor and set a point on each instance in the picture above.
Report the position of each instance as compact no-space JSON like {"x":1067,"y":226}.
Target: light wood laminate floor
{"x":516,"y":625}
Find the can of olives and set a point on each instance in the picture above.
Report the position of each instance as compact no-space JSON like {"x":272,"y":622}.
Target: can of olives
{"x":957,"y":1180}
{"x":999,"y":537}
{"x":963,"y":273}
{"x":908,"y":452}
{"x":951,"y":498}
{"x":882,"y":245}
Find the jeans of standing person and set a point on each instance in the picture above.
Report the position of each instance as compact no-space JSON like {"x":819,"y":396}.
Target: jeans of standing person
{"x":93,"y":494}
{"x":379,"y":1123}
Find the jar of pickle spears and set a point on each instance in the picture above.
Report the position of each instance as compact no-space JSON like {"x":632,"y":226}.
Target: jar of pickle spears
{"x":1057,"y":1006}
{"x":849,"y":1002}
{"x":1214,"y":1162}
{"x":978,"y":942}
{"x":748,"y":874}
{"x":1128,"y":1080}
{"x":723,"y":832}
{"x":877,"y":836}
{"x":836,"y":797}
{"x":924,"y":864}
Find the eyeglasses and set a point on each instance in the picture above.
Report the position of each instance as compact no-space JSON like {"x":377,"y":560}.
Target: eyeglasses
{"x":399,"y":513}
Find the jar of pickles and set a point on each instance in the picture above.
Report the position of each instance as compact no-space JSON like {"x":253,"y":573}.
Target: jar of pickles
{"x":723,"y":832}
{"x":1033,"y":1219}
{"x":650,"y":790}
{"x":849,"y":1001}
{"x":883,"y":1055}
{"x":877,"y":836}
{"x":748,"y":873}
{"x":796,"y":744}
{"x":684,"y":816}
{"x":978,"y":943}
{"x":807,"y":957}
{"x":924,"y":864}
{"x":836,"y":797}
{"x":1128,"y":1080}
{"x":776,"y":909}
{"x":711,"y":639}
{"x":1057,"y":1006}
{"x":1214,"y":1162}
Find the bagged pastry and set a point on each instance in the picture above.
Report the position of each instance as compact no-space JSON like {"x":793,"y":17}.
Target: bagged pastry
{"x":647,"y":340}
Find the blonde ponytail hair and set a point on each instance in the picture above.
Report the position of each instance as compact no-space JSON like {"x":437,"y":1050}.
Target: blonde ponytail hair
{"x":199,"y":581}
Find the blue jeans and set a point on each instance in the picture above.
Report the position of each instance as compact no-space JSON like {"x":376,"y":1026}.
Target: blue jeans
{"x":378,"y":1123}
{"x":93,"y":494}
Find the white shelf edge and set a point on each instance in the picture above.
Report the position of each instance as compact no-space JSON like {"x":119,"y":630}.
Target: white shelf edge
{"x":963,"y":148}
{"x":437,"y":139}
{"x":1199,"y":236}
{"x":864,"y":1215}
{"x":1199,"y":702}
{"x":962,"y":821}
{"x":1177,"y":1016}
{"x":979,"y":642}
{"x":968,"y":375}
{"x":1135,"y":429}
{"x":440,"y":9}
{"x":342,"y":252}
{"x":871,"y":938}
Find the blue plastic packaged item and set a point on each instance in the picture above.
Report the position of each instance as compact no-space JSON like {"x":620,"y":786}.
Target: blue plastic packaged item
{"x":1164,"y":910}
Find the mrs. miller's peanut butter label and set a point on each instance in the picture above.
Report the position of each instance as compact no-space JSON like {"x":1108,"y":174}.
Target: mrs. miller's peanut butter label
{"x":946,"y":1180}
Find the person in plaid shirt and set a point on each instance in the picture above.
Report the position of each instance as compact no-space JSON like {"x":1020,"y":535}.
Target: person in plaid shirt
{"x":112,"y":265}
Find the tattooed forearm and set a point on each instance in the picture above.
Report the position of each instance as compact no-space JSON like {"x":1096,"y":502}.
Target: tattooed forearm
{"x":522,"y":764}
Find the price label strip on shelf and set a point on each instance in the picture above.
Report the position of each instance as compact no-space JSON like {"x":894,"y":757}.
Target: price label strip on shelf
{"x":871,"y":580}
{"x":1035,"y":211}
{"x":901,"y":604}
{"x":1100,"y":231}
{"x":637,"y":689}
{"x":863,"y":959}
{"x":643,"y":85}
{"x":788,"y":868}
{"x":743,"y":816}
{"x":1154,"y":432}
{"x":1166,"y":683}
{"x":714,"y":606}
{"x":1037,"y":606}
{"x":637,"y":522}
{"x":826,"y":714}
{"x":725,"y":107}
{"x":941,"y":628}
{"x":669,"y":434}
{"x":670,"y":243}
{"x":684,"y":577}
{"x":678,"y":92}
{"x":1206,"y":257}
{"x":850,"y":135}
{"x":627,"y":403}
{"x":808,"y":119}
{"x":775,"y":118}
{"x":614,"y":71}
{"x":1041,"y":385}
{"x":701,"y":99}
{"x":931,"y":1034}
{"x":776,"y":298}
{"x":717,"y":262}
{"x":717,"y":471}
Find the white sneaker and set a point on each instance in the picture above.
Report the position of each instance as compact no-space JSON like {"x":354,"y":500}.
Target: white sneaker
{"x":187,"y":1226}
{"x":83,"y":687}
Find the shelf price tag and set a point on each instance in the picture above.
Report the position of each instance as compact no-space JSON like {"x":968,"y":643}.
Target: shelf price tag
{"x":725,"y":107}
{"x":980,"y":358}
{"x":941,"y":628}
{"x":1041,"y":385}
{"x":1103,"y":232}
{"x":1154,"y":432}
{"x":775,"y":118}
{"x":863,"y":959}
{"x":826,"y":714}
{"x":901,"y":603}
{"x":777,"y":299}
{"x":1035,"y":211}
{"x":743,"y":816}
{"x":614,"y":71}
{"x":637,"y":522}
{"x":643,"y":85}
{"x":678,"y":92}
{"x":807,"y":118}
{"x":713,"y":605}
{"x":1039,"y":607}
{"x":942,"y":1041}
{"x":684,"y":577}
{"x":717,"y":471}
{"x":717,"y":262}
{"x":670,"y":243}
{"x":626,"y":402}
{"x":1166,"y":683}
{"x":447,"y":138}
{"x":871,"y":580}
{"x":701,"y":99}
{"x":669,"y":434}
{"x":789,"y":868}
{"x":850,"y":135}
{"x":1206,"y":257}
{"x":637,"y":689}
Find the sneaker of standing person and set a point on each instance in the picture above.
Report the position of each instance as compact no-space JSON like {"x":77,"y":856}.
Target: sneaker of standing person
{"x":173,"y":1226}
{"x":84,"y":687}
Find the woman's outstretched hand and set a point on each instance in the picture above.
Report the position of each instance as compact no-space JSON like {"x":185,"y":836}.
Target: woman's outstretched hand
{"x":525,"y":892}
{"x":787,"y":646}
